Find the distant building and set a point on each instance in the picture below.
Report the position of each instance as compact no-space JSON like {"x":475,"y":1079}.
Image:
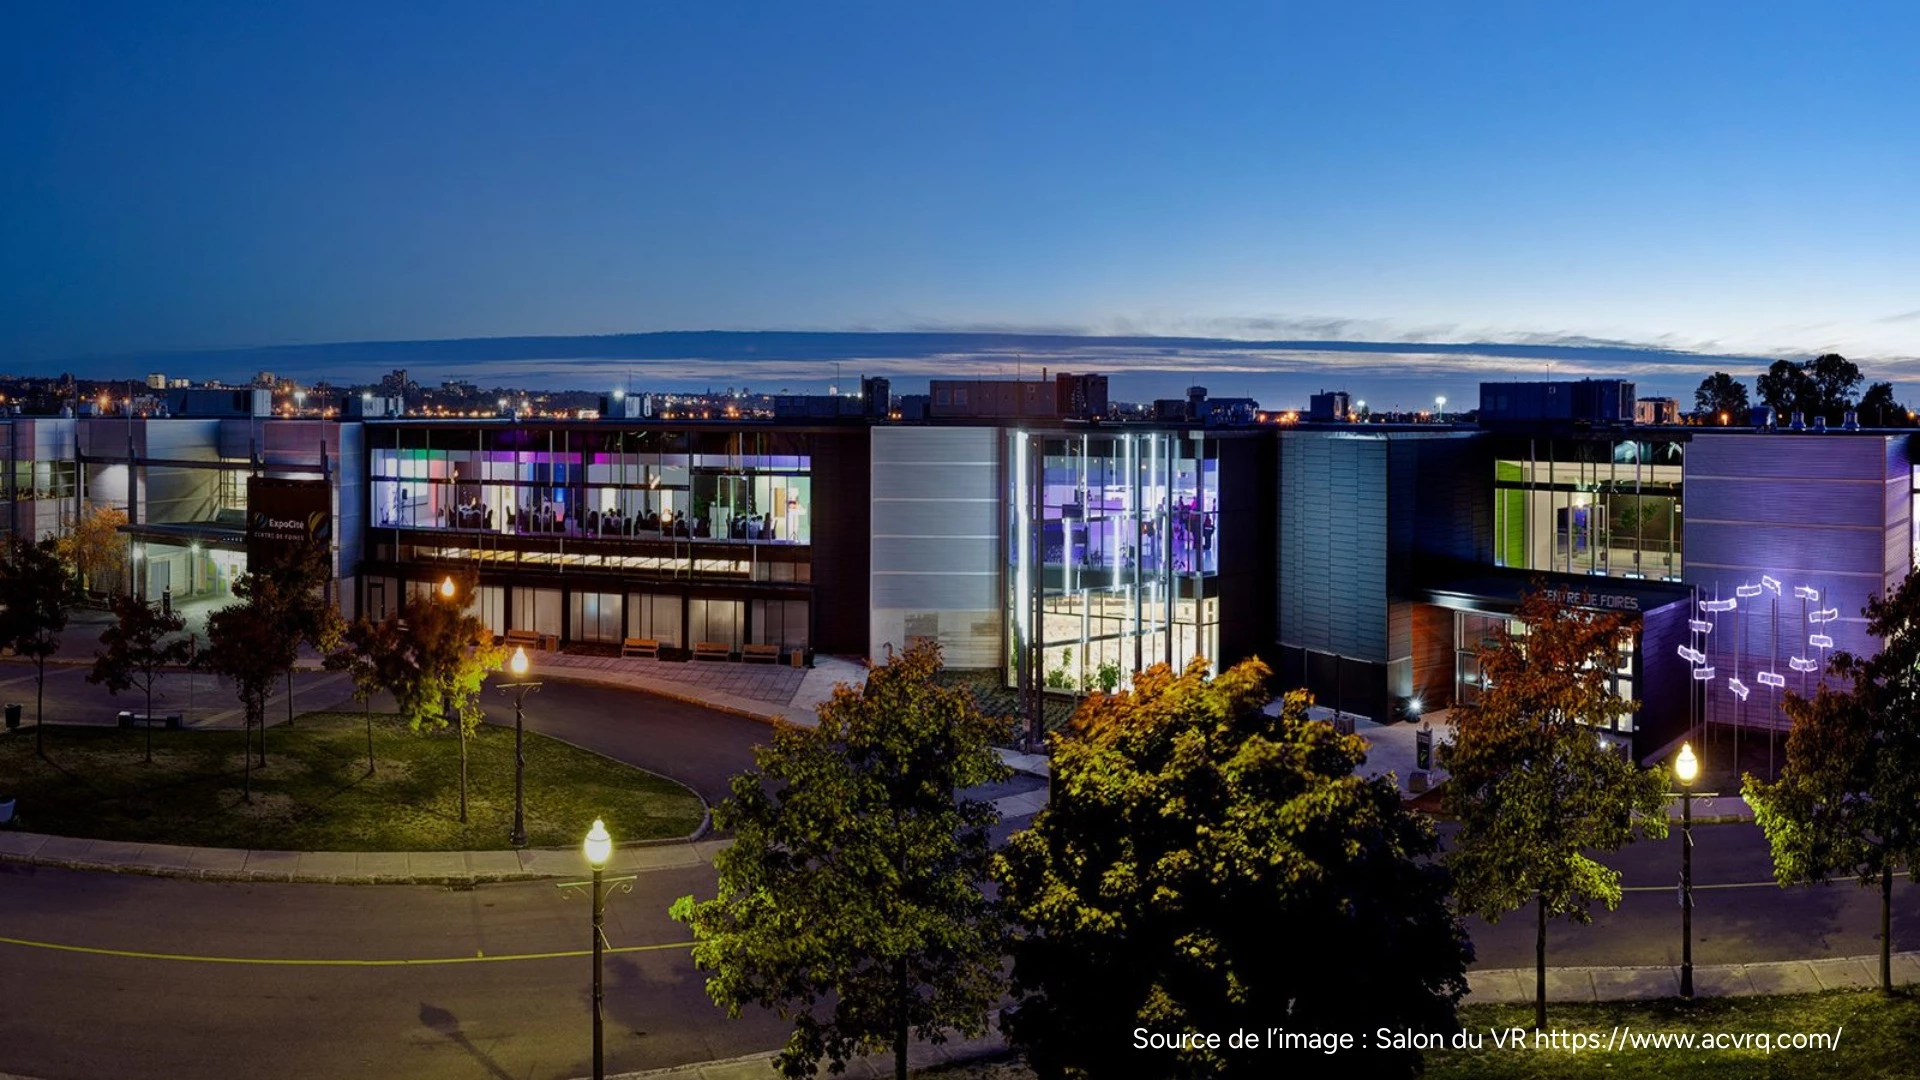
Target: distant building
{"x":983,"y":398}
{"x":1325,"y":405}
{"x":1588,"y":401}
{"x":156,"y":381}
{"x":1656,"y":410}
{"x":1080,"y":396}
{"x":178,"y":382}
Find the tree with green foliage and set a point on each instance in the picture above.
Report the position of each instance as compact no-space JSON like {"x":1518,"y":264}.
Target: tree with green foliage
{"x":1847,"y":801}
{"x":374,"y":653}
{"x":1878,"y":408}
{"x":1535,"y":789}
{"x":248,"y":647}
{"x":445,"y":656}
{"x":37,"y":595}
{"x":1823,"y":387}
{"x":1721,"y":393}
{"x":1205,"y":865}
{"x":302,"y":577}
{"x":851,"y":899}
{"x":136,"y":648}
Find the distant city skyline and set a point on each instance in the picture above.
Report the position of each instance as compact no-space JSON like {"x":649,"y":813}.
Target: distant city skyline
{"x":1676,"y":183}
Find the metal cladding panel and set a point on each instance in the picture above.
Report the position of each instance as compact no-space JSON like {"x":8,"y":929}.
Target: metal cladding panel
{"x":1333,"y":544}
{"x":1778,"y":456}
{"x":935,"y":544}
{"x":1782,"y":501}
{"x":1715,"y":547}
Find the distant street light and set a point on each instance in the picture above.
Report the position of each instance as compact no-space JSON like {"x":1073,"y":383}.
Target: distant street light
{"x":1440,"y":403}
{"x":446,"y":588}
{"x":520,"y":688}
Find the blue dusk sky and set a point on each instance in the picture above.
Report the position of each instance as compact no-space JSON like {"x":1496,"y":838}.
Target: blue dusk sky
{"x":1661,"y":188}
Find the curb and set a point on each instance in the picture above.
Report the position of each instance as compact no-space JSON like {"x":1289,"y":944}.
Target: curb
{"x":700,"y":851}
{"x":920,"y":1057}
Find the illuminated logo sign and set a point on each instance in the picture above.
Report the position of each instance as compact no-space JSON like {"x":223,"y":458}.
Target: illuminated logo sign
{"x":1588,"y":599}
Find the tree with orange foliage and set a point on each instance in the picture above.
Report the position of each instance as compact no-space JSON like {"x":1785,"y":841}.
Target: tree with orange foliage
{"x":1535,"y":789}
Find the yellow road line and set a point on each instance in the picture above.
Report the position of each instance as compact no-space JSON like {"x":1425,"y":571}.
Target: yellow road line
{"x":481,"y":958}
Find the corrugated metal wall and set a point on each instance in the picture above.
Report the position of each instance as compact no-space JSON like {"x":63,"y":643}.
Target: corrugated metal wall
{"x":1830,"y":512}
{"x":936,"y":544}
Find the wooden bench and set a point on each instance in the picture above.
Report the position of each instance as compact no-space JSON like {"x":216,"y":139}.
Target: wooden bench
{"x":712,"y":650}
{"x":640,"y":646}
{"x":172,"y":721}
{"x":532,"y":639}
{"x":760,"y":654}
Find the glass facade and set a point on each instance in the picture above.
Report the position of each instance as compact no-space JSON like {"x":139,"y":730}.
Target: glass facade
{"x":1590,"y":506}
{"x":1111,"y":555}
{"x":744,"y":486}
{"x":1474,"y":631}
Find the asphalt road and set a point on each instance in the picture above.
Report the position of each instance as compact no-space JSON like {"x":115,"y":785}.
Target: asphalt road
{"x":90,"y":1015}
{"x":1754,"y":920}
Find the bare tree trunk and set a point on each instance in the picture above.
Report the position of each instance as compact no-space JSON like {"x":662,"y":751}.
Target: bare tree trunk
{"x":289,"y":697}
{"x":369,"y":707}
{"x":1540,"y":969}
{"x":40,"y":708}
{"x":900,"y":1018}
{"x":246,"y":758}
{"x":463,"y":771}
{"x":1886,"y":929}
{"x":149,"y":717}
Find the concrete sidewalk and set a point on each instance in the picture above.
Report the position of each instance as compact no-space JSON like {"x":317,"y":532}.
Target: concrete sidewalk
{"x":921,"y":1055}
{"x":1516,"y":985}
{"x":344,"y":867}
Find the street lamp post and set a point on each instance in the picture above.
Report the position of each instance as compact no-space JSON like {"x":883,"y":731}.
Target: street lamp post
{"x":1686,"y":769}
{"x":599,"y":849}
{"x":520,"y":688}
{"x":1440,"y":404}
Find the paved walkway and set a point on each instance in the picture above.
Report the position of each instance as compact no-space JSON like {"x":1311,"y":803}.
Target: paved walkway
{"x":921,"y":1055}
{"x":760,"y":691}
{"x":1516,"y":985}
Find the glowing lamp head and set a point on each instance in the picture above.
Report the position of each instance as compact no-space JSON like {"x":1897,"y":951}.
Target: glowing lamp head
{"x":519,"y":662}
{"x":1686,"y":766}
{"x":1414,"y":706}
{"x":599,"y":846}
{"x":446,"y":587}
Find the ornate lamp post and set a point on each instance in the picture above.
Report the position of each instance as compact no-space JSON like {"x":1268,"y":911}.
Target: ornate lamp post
{"x":1686,"y":769}
{"x":520,"y":688}
{"x":599,"y":848}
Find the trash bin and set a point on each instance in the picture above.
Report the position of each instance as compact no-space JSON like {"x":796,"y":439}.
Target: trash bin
{"x":13,"y":715}
{"x":166,"y":601}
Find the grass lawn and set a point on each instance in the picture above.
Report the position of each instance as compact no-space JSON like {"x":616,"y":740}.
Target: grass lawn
{"x":996,"y":699}
{"x":315,"y":794}
{"x":1879,"y":1038}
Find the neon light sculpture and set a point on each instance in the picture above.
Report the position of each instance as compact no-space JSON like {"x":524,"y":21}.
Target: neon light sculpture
{"x":1806,"y":592}
{"x":1772,"y":678}
{"x":1820,"y":641}
{"x":1824,"y":615}
{"x":1689,"y":653}
{"x":1739,"y":688}
{"x":1702,"y":674}
{"x":1747,"y":592}
{"x":1719,"y":605}
{"x":1700,"y":626}
{"x":1767,"y":581}
{"x":1801,"y":663}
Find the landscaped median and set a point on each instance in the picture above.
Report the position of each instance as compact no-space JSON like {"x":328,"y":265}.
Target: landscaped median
{"x":316,"y":795}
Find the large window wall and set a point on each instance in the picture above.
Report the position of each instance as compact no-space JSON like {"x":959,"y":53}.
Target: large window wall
{"x":1111,"y":549}
{"x":1590,"y":506}
{"x":746,"y":486}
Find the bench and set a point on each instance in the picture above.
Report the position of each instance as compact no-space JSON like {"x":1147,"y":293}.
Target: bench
{"x":760,"y":654}
{"x":712,"y":650}
{"x":171,"y":720}
{"x":532,"y":639}
{"x":640,"y":646}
